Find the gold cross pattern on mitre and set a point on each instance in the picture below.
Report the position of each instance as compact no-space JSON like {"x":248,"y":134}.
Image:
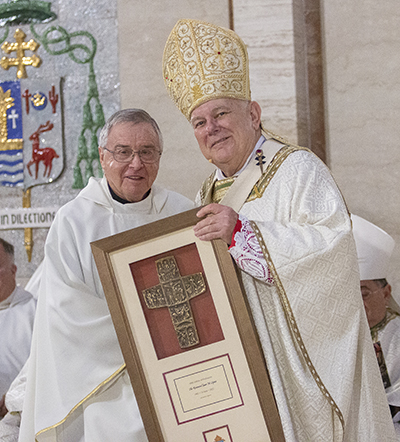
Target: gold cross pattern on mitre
{"x":175,"y":292}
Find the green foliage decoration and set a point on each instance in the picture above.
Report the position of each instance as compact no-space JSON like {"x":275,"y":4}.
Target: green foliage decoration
{"x":5,"y":30}
{"x":21,"y":12}
{"x":57,"y":41}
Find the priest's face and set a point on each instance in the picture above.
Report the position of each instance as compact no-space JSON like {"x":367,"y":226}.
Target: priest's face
{"x":375,"y":298}
{"x":131,"y":180}
{"x":8,"y":271}
{"x":227,"y":131}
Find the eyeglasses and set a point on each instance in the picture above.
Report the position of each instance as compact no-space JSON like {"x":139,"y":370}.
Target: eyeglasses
{"x":125,"y":155}
{"x":368,"y":292}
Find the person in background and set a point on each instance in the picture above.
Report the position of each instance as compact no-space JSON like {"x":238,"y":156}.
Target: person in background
{"x":280,"y":212}
{"x":374,"y":250}
{"x":17,"y":313}
{"x":77,"y":387}
{"x":12,"y":402}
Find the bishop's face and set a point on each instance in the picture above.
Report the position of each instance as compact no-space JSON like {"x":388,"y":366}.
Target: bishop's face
{"x":130,"y":181}
{"x":227,"y":130}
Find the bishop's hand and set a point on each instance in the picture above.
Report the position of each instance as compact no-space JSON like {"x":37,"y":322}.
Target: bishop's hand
{"x":218,"y":223}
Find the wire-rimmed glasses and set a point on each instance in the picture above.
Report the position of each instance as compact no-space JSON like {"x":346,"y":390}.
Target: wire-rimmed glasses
{"x":126,"y":155}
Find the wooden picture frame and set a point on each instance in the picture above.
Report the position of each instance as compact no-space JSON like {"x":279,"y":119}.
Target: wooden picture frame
{"x":189,"y":343}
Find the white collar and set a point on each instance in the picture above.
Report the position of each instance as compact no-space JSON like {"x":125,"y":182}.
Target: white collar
{"x":97,"y":190}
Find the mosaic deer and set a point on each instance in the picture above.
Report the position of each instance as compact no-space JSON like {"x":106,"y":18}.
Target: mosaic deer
{"x":46,"y":154}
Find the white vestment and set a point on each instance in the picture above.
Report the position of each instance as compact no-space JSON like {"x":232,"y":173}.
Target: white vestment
{"x":77,"y":386}
{"x":311,"y":321}
{"x":389,"y":337}
{"x":14,"y":399}
{"x":17,"y":314}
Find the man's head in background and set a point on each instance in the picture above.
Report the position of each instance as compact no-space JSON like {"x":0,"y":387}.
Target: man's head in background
{"x":374,"y":249}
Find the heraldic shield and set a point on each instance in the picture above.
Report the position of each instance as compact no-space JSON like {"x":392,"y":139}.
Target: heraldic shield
{"x":31,"y":137}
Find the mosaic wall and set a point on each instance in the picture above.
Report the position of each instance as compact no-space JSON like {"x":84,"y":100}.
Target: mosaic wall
{"x":79,"y":55}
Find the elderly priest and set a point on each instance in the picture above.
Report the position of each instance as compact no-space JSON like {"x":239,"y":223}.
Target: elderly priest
{"x":77,"y":387}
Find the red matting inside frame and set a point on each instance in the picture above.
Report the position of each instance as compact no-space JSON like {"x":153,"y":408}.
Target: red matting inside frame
{"x":159,"y":321}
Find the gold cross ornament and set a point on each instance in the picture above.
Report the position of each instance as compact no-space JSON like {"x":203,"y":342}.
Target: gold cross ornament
{"x":175,"y":292}
{"x":20,"y":60}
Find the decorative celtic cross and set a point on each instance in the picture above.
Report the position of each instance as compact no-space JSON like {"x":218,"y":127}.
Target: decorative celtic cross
{"x":20,"y":60}
{"x":175,"y":292}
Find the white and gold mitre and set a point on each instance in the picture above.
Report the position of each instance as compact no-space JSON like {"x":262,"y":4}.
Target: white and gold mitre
{"x":203,"y":62}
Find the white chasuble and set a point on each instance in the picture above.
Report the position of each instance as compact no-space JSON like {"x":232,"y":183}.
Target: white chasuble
{"x":311,"y":321}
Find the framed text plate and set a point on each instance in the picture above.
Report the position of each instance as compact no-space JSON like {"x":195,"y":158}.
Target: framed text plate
{"x":186,"y":334}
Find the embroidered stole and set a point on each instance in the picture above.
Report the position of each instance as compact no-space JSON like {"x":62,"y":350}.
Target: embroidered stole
{"x":250,"y":184}
{"x":276,"y":151}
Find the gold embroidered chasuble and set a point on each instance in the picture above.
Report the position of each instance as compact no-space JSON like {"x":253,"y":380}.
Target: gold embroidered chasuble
{"x":311,"y":322}
{"x":214,"y":191}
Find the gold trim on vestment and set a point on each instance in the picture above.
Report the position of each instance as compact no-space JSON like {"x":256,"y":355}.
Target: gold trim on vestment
{"x":216,"y":190}
{"x":293,"y":324}
{"x":389,"y":315}
{"x":268,"y":134}
{"x":206,"y":188}
{"x":220,"y":188}
{"x":257,"y":191}
{"x":262,"y":185}
{"x":93,"y":392}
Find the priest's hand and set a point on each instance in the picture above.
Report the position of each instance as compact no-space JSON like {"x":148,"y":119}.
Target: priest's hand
{"x":219,"y":223}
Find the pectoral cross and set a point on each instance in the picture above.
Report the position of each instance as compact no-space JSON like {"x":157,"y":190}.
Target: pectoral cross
{"x":20,"y":60}
{"x":175,"y":292}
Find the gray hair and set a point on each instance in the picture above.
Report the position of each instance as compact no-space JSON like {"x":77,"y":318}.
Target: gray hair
{"x":381,"y":282}
{"x":134,"y":116}
{"x":8,"y":248}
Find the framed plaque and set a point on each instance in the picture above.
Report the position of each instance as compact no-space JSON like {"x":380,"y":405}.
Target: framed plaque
{"x":188,"y":339}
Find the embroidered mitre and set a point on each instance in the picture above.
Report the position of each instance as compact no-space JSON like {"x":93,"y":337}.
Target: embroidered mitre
{"x":202,"y":62}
